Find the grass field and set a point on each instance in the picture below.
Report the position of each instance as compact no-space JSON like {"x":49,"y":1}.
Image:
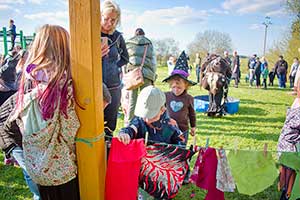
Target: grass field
{"x":259,"y":120}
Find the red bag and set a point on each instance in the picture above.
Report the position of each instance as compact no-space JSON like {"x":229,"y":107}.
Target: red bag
{"x":122,"y":175}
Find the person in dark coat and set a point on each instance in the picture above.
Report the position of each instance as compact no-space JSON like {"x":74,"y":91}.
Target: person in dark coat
{"x":257,"y":72}
{"x":281,"y":68}
{"x":236,"y":68}
{"x":113,"y":61}
{"x":272,"y":75}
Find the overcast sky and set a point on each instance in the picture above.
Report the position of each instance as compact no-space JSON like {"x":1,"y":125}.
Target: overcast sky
{"x":179,"y":19}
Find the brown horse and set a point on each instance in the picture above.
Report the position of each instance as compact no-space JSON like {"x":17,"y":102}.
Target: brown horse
{"x":215,"y":73}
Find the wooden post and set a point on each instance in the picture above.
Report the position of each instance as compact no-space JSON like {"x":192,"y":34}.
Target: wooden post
{"x":87,"y":76}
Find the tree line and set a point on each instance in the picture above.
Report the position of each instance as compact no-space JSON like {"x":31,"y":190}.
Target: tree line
{"x":289,"y":45}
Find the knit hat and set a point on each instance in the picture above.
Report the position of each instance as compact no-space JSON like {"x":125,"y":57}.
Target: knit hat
{"x":149,"y":102}
{"x":181,"y":69}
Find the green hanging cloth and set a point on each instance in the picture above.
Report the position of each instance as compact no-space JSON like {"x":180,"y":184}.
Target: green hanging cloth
{"x":292,"y":160}
{"x":252,"y":171}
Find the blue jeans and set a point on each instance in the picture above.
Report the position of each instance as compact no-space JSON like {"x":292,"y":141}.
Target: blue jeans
{"x":281,"y":79}
{"x":17,"y":153}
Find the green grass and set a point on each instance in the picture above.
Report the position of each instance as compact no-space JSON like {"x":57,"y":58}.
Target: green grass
{"x":12,"y":184}
{"x":259,"y":120}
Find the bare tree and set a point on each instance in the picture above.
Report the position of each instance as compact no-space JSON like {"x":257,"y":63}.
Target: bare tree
{"x":210,"y":41}
{"x":164,"y":48}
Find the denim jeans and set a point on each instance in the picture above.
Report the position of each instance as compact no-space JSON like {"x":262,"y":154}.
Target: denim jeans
{"x":17,"y":153}
{"x":292,"y":81}
{"x":133,"y":97}
{"x":251,"y":76}
{"x":281,"y":79}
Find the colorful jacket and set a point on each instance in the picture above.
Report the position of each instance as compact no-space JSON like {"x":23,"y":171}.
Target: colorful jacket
{"x":265,"y":73}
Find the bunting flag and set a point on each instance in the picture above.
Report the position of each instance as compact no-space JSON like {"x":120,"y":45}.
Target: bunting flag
{"x":163,"y":170}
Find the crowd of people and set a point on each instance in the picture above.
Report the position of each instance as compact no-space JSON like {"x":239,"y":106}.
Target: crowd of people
{"x":36,"y":86}
{"x":259,"y":73}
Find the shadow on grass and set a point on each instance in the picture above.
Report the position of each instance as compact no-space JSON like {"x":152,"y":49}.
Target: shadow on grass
{"x":256,"y":135}
{"x":274,"y":88}
{"x":246,"y":110}
{"x":244,"y":126}
{"x":258,"y":119}
{"x":251,"y":101}
{"x":242,"y":120}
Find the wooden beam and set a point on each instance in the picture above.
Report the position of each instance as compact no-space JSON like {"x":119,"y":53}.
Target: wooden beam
{"x":87,"y":76}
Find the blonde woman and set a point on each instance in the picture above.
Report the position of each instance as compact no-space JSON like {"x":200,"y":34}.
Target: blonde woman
{"x":113,"y":61}
{"x":46,"y":98}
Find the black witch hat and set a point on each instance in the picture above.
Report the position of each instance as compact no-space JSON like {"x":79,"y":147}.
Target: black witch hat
{"x":181,"y":69}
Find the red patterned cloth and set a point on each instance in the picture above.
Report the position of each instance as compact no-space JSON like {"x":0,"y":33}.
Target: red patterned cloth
{"x":123,"y":169}
{"x":163,"y":170}
{"x":204,"y":174}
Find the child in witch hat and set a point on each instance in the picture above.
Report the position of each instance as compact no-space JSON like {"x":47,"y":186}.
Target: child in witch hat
{"x":179,"y":103}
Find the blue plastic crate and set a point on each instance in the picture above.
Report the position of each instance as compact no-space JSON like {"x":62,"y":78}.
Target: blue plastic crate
{"x":201,"y":104}
{"x":232,"y":106}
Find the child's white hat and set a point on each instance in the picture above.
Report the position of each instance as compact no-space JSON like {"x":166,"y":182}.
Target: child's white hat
{"x":149,"y":102}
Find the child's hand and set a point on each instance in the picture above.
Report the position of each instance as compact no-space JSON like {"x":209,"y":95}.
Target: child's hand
{"x":172,"y":122}
{"x":123,"y":137}
{"x":193,"y":131}
{"x":182,"y":138}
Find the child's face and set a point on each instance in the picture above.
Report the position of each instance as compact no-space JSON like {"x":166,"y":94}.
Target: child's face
{"x":178,"y":85}
{"x":157,"y":117}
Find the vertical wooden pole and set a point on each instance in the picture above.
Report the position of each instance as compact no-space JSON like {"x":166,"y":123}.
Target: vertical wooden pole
{"x":87,"y":76}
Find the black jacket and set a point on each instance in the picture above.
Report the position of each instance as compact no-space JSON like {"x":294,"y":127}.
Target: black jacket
{"x":281,"y":67}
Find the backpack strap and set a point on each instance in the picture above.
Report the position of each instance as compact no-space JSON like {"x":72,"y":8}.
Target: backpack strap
{"x":144,"y":56}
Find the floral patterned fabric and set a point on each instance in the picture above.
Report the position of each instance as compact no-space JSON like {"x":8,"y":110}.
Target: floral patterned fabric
{"x":49,"y":146}
{"x":163,"y":170}
{"x":290,"y":133}
{"x":225,"y":182}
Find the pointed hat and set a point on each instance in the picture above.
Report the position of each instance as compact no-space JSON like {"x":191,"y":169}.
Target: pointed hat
{"x":181,"y":69}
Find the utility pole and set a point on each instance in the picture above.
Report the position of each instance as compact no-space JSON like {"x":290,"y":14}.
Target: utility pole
{"x":266,"y":23}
